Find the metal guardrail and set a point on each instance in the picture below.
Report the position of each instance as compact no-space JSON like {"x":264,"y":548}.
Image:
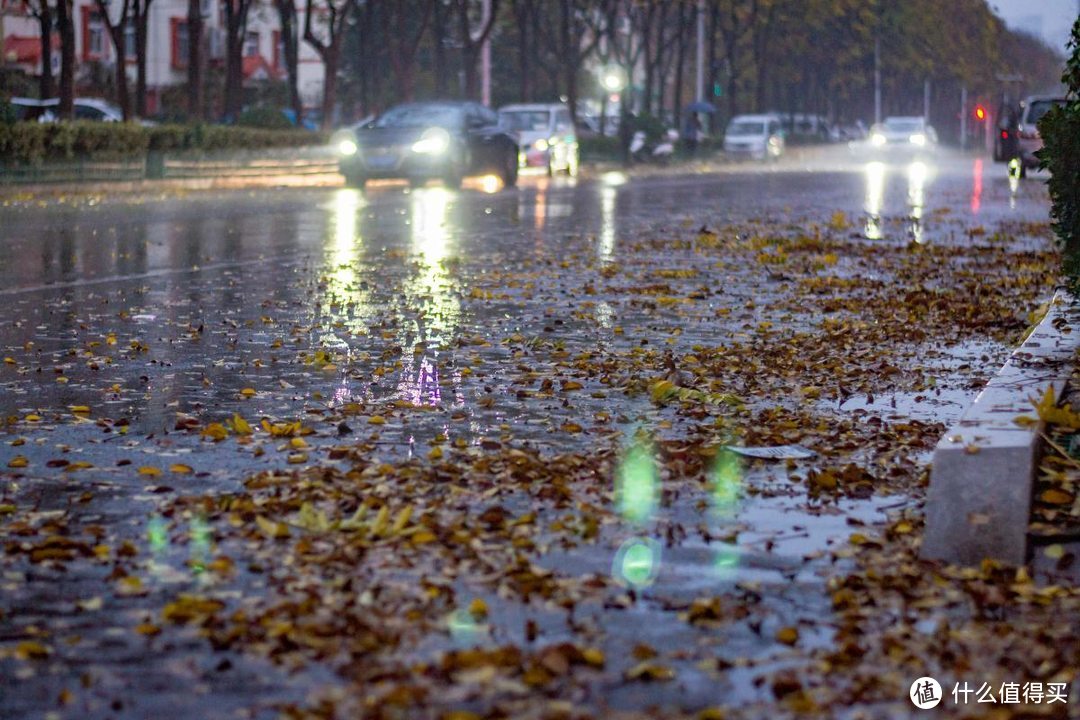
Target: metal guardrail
{"x":314,"y":160}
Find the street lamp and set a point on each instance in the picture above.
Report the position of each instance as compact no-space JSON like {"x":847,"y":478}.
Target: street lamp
{"x":613,"y":79}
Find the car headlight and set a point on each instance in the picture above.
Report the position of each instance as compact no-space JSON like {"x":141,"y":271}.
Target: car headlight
{"x":918,"y":139}
{"x":541,"y":145}
{"x":347,"y":147}
{"x":877,"y":139}
{"x":434,"y":141}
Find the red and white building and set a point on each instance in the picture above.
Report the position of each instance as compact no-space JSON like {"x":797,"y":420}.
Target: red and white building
{"x":167,"y":48}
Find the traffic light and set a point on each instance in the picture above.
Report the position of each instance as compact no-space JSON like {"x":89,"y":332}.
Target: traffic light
{"x":980,"y":113}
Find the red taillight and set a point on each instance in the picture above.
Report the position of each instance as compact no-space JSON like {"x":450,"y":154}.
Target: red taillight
{"x":1004,"y":134}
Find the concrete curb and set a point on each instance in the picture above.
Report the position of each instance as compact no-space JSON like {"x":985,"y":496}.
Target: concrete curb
{"x":983,"y":476}
{"x":177,"y":184}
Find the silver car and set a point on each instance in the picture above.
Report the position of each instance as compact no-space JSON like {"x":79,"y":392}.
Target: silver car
{"x":1028,"y":140}
{"x":546,"y":136}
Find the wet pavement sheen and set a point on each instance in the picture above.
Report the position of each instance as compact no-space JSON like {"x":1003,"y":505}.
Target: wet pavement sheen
{"x":333,"y":306}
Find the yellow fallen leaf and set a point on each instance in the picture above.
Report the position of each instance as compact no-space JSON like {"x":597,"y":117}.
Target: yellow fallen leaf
{"x":478,"y":608}
{"x":376,"y":420}
{"x":240,"y":426}
{"x":79,"y":409}
{"x":215,"y":431}
{"x":149,"y":470}
{"x":248,"y":392}
{"x":273,"y":530}
{"x":147,"y":629}
{"x":19,"y":461}
{"x":32,"y":650}
{"x":297,"y":458}
{"x":1053,"y":496}
{"x":401,"y":520}
{"x":1049,"y":412}
{"x":787,"y":635}
{"x":381,"y":521}
{"x":593,"y":656}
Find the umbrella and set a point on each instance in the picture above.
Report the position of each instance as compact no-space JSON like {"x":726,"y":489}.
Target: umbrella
{"x":701,"y":107}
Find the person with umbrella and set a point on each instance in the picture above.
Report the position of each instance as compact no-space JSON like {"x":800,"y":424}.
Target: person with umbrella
{"x":692,"y":127}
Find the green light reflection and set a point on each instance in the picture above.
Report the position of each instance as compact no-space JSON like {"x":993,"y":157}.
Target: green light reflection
{"x":637,"y":563}
{"x":637,"y":488}
{"x":157,"y":533}
{"x":465,"y":629}
{"x":199,"y":549}
{"x":726,"y":482}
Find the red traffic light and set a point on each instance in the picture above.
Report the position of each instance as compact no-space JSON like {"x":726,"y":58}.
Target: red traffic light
{"x":980,"y":112}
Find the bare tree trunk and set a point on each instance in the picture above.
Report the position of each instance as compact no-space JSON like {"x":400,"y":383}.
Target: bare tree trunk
{"x":46,"y":84}
{"x":116,"y":33}
{"x":66,"y":25}
{"x":236,"y":14}
{"x":471,"y":44}
{"x":680,"y":58}
{"x":195,"y":90}
{"x":286,"y":11}
{"x":142,"y":18}
{"x":521,"y":17}
{"x":403,"y":43}
{"x":439,"y":35}
{"x":330,"y":66}
{"x":329,"y":49}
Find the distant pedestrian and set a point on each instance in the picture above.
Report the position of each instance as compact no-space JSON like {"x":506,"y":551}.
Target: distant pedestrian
{"x":692,"y":134}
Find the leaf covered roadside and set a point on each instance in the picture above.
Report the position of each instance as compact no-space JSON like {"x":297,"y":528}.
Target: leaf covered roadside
{"x":491,"y":573}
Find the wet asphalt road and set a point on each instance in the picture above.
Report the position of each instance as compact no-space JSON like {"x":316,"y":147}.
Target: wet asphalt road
{"x":294,"y":304}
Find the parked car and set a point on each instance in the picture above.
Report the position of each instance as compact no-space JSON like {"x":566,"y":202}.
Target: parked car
{"x":546,"y":136}
{"x":27,"y":109}
{"x":444,"y":140}
{"x":94,"y":109}
{"x":755,"y":136}
{"x":903,"y":134}
{"x":1028,"y":140}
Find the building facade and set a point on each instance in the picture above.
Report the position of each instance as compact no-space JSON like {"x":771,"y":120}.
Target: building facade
{"x":167,"y":46}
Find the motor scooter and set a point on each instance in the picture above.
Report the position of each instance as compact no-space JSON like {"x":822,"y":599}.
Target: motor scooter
{"x":661,"y":153}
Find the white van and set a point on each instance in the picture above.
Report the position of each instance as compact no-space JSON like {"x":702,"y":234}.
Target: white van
{"x":754,"y":136}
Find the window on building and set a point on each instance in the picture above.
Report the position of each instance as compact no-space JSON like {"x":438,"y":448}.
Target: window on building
{"x":251,"y":44}
{"x":94,"y":35}
{"x":129,"y":39}
{"x":179,"y":59}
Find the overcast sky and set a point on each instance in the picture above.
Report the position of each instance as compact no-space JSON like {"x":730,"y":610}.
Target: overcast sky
{"x":1054,"y":18}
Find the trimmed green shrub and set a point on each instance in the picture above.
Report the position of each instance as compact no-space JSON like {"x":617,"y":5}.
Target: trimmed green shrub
{"x":33,"y":143}
{"x":1060,"y":130}
{"x":264,"y":116}
{"x":599,"y":147}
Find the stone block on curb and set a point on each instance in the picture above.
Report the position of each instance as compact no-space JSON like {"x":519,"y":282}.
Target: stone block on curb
{"x":981,"y":484}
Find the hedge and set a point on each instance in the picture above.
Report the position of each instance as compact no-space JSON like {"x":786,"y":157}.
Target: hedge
{"x":1060,"y":130}
{"x":33,"y":142}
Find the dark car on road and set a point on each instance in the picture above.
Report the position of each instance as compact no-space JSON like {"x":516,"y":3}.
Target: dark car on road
{"x":431,"y":140}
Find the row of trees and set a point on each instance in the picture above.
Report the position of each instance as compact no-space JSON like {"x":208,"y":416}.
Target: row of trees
{"x":815,"y":56}
{"x":812,"y":56}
